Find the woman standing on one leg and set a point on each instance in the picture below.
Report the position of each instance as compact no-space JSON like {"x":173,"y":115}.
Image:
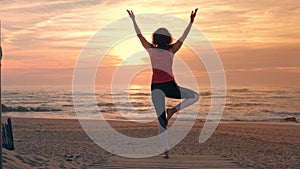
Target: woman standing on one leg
{"x":161,"y":52}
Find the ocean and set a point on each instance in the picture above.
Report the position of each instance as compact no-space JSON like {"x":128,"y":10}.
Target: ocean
{"x":242,"y":104}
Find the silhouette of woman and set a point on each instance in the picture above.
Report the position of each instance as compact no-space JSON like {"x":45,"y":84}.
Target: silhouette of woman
{"x":163,"y":85}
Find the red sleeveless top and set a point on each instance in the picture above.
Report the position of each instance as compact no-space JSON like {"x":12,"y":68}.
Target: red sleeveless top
{"x":162,"y":62}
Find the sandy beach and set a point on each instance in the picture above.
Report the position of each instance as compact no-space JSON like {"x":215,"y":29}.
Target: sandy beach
{"x":55,"y":143}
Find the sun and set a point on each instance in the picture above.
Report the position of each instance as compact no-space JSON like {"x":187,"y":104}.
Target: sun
{"x":129,"y":52}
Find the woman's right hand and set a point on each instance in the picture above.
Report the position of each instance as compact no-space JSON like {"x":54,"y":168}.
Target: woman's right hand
{"x":131,"y":14}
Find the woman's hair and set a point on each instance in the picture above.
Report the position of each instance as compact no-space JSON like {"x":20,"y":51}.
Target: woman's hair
{"x":161,"y":38}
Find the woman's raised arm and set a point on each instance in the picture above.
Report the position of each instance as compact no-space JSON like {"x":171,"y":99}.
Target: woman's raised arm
{"x":143,"y":40}
{"x":176,"y":46}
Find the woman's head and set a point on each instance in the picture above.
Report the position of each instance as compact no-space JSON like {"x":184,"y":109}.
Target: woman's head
{"x":162,"y":38}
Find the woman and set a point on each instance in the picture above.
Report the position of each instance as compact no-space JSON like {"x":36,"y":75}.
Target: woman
{"x":161,"y":52}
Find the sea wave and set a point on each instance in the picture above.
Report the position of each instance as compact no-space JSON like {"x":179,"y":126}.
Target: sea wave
{"x":28,"y":109}
{"x":281,"y":113}
{"x":246,"y":104}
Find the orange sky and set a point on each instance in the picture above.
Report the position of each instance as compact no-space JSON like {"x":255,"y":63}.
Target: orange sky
{"x":258,"y":41}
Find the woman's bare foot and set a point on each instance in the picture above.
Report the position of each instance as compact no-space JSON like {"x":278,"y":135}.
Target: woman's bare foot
{"x":166,"y":154}
{"x":170,"y":113}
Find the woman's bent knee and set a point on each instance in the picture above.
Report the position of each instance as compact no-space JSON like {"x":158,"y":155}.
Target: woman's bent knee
{"x":196,"y":97}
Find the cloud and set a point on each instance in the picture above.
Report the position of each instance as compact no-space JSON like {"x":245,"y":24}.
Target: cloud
{"x":289,"y":69}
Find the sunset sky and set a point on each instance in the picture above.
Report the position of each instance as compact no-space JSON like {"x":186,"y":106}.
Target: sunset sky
{"x":257,"y":41}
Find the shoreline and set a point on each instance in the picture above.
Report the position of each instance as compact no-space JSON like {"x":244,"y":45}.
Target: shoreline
{"x":275,"y":121}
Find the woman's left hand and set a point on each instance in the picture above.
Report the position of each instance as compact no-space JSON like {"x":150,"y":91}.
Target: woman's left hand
{"x":193,"y":15}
